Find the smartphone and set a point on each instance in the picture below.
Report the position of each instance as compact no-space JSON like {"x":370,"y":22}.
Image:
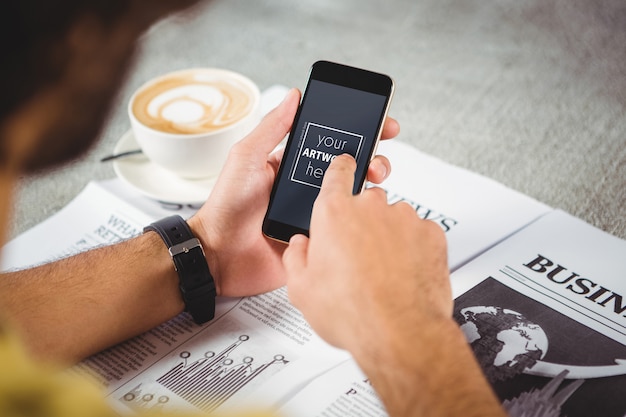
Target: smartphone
{"x":342,"y":111}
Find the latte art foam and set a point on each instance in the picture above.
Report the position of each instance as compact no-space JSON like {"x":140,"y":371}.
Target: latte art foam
{"x":192,"y":101}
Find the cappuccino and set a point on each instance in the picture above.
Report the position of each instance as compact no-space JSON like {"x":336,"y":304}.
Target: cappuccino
{"x":186,"y":121}
{"x":194,"y":101}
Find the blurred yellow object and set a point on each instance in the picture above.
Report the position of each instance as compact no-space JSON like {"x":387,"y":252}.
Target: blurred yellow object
{"x":30,"y":389}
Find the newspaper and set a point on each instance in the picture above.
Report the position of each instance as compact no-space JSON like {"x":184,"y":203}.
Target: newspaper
{"x":258,"y":350}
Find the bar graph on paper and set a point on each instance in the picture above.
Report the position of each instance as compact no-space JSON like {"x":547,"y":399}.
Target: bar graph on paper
{"x":206,"y":382}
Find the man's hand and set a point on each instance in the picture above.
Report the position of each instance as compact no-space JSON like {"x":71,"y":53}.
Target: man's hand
{"x":241,"y":258}
{"x":368,"y":267}
{"x":373,"y":279}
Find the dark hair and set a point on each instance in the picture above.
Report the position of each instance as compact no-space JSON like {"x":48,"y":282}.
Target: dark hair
{"x":38,"y":54}
{"x":30,"y":32}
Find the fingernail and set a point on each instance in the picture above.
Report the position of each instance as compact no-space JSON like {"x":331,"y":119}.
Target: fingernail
{"x":384,"y":170}
{"x":378,"y":169}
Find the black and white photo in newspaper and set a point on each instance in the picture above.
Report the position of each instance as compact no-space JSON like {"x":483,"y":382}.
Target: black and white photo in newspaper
{"x":545,"y":315}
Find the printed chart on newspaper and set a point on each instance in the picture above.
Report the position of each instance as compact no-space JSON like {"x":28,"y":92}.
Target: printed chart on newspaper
{"x":221,"y":364}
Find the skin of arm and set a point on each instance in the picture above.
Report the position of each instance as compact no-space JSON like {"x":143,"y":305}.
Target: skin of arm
{"x":373,"y":279}
{"x":66,"y":310}
{"x":72,"y":308}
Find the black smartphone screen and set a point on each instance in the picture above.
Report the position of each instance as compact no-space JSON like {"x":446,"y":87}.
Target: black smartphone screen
{"x":342,"y":111}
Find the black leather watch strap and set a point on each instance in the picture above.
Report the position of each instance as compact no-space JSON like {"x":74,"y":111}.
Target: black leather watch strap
{"x":196,"y":282}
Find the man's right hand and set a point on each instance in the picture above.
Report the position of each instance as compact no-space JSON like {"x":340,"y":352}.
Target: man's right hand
{"x":368,"y":268}
{"x":373,"y":279}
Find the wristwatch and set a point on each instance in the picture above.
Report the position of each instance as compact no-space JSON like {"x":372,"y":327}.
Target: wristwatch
{"x":196,"y":282}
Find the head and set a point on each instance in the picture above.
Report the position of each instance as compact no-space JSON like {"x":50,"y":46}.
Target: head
{"x":63,"y":63}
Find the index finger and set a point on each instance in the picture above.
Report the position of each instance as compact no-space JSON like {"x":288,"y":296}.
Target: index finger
{"x":339,"y":176}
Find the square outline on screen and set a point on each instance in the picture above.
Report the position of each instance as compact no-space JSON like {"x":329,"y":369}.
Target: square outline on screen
{"x":309,"y":124}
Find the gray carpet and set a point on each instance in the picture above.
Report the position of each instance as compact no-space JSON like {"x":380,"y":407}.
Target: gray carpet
{"x":529,"y":93}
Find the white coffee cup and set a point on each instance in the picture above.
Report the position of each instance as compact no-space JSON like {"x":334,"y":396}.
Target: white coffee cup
{"x":186,"y":121}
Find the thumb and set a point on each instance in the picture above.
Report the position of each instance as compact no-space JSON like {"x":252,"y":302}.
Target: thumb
{"x":275,"y":125}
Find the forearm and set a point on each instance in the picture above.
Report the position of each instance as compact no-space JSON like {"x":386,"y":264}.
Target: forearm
{"x":69,"y":309}
{"x":435,"y":376}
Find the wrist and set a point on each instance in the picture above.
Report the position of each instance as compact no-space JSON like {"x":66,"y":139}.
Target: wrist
{"x":162,"y":268}
{"x":208,"y":241}
{"x":428,"y":370}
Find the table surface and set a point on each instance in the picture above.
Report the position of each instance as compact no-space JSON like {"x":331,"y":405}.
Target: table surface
{"x":529,"y":93}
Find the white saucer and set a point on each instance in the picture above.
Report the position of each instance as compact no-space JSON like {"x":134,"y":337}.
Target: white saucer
{"x":154,"y":181}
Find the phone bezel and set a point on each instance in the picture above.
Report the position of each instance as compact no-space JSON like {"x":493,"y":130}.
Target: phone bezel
{"x":345,"y":76}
